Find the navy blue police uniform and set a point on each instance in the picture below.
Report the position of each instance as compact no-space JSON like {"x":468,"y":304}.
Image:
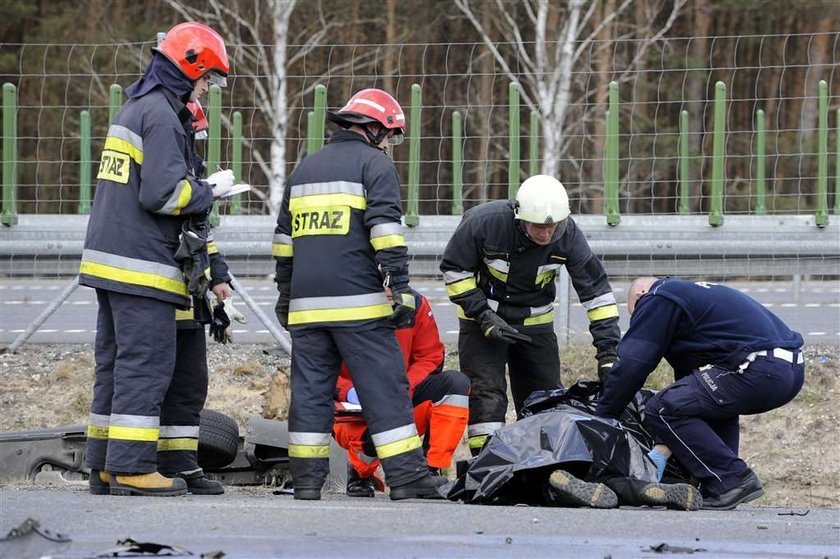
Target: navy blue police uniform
{"x":730,"y":355}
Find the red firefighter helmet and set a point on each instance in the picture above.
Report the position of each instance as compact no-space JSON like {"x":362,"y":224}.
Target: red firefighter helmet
{"x":200,"y":124}
{"x":197,"y":50}
{"x":372,"y":105}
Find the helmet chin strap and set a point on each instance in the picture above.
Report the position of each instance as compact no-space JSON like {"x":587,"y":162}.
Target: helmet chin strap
{"x":376,"y":139}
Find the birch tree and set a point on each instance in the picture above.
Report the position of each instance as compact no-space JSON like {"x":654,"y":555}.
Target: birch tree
{"x":262,"y":61}
{"x":547,"y":41}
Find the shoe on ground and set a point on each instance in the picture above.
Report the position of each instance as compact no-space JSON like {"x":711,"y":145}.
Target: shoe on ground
{"x":99,"y":482}
{"x":677,"y":496}
{"x":748,"y":490}
{"x":148,"y":485}
{"x":199,"y":483}
{"x":571,"y":491}
{"x":358,"y":486}
{"x":307,"y":494}
{"x":424,"y":488}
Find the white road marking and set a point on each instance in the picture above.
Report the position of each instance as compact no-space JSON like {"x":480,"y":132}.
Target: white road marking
{"x":816,"y":334}
{"x":75,"y":331}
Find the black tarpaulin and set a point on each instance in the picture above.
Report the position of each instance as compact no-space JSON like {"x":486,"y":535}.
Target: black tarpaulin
{"x":559,"y":431}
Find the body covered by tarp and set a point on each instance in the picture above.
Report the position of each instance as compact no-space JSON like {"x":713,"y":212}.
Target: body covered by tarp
{"x":558,"y":430}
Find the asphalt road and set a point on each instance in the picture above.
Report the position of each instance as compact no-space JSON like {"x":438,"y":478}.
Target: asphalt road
{"x":254,"y":523}
{"x":813,"y":310}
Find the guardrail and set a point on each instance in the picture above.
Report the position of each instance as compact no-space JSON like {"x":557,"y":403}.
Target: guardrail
{"x":51,"y":245}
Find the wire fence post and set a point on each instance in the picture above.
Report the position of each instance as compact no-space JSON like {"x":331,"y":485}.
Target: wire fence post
{"x":9,"y":215}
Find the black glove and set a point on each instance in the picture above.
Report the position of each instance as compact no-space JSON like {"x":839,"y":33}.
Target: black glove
{"x":403,"y":298}
{"x":403,"y":305}
{"x":281,"y":309}
{"x":193,"y":257}
{"x":495,"y":328}
{"x":606,"y":360}
{"x":220,"y":324}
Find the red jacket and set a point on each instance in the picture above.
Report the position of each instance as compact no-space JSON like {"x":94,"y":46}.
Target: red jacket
{"x":422,"y":350}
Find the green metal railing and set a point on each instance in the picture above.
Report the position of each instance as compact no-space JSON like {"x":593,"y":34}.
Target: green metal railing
{"x":315,"y":140}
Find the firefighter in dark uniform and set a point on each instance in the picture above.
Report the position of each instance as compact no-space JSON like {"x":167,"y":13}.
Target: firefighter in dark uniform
{"x":338,"y":241}
{"x":730,"y":356}
{"x":499,"y":268}
{"x":440,"y":399}
{"x":180,"y":417}
{"x":145,"y":193}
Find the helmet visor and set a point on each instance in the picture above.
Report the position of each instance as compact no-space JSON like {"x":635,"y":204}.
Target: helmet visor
{"x":396,"y":138}
{"x":216,"y":78}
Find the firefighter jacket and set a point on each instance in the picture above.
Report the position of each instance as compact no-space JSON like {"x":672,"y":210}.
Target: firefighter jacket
{"x":338,"y":233}
{"x":490,"y":263}
{"x":419,"y":340}
{"x":145,"y":189}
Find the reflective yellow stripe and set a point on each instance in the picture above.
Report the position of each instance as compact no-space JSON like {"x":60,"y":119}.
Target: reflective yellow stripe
{"x":212,"y":248}
{"x":608,"y":311}
{"x":142,"y":434}
{"x":97,"y":432}
{"x":478,"y":441}
{"x":501,"y":276}
{"x":282,"y":250}
{"x":461,"y":313}
{"x":136,"y":278}
{"x":454,"y":289}
{"x":118,"y":144}
{"x":335,"y":315}
{"x":387,"y":241}
{"x":398,"y":447}
{"x":184,"y":196}
{"x":177,"y":444}
{"x":184,"y":315}
{"x":544,"y":277}
{"x":309,"y":451}
{"x":540,"y":319}
{"x":323,"y":200}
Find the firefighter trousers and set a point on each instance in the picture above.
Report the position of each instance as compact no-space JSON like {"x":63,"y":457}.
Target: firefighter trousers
{"x":135,"y":360}
{"x":531,"y":366}
{"x":441,"y":411}
{"x":182,"y":405}
{"x":382,"y":385}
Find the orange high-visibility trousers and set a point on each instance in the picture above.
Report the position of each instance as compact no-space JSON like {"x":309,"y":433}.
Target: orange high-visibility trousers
{"x":441,"y":413}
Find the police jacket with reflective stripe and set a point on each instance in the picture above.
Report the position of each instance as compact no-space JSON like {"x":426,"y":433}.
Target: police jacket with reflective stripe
{"x":490,"y":263}
{"x":690,"y":325}
{"x":145,"y":188}
{"x":338,"y":232}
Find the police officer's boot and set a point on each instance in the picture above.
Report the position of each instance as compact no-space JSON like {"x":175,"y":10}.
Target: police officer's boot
{"x":99,"y":482}
{"x":424,"y":488}
{"x":149,"y":485}
{"x":358,"y":486}
{"x":198,"y":483}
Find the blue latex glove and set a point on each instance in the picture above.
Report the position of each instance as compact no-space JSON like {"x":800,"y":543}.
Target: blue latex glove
{"x":659,"y":460}
{"x":352,"y":397}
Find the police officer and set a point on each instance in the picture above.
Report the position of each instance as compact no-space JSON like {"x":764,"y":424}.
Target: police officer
{"x":499,"y":268}
{"x":440,"y":399}
{"x":338,"y":240}
{"x":730,"y":356}
{"x":146,"y":190}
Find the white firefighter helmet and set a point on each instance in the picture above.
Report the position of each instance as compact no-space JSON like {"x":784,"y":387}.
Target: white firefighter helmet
{"x":542,"y":199}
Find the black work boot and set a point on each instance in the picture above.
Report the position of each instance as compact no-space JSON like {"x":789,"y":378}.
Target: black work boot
{"x":307,"y":494}
{"x":567,"y":490}
{"x":200,"y":484}
{"x":424,"y":488}
{"x":748,"y":490}
{"x":99,"y":482}
{"x":358,"y":486}
{"x":635,"y":492}
{"x":149,"y":485}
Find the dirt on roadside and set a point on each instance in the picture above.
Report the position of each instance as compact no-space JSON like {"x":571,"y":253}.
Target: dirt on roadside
{"x":794,"y":449}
